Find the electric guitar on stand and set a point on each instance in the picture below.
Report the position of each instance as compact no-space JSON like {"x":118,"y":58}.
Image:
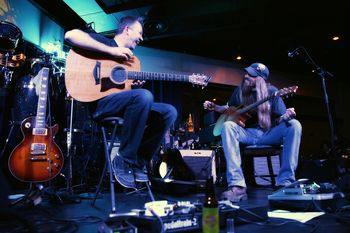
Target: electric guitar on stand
{"x":89,"y":76}
{"x":37,"y":158}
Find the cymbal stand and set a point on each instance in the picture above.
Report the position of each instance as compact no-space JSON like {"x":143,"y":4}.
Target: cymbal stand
{"x":9,"y":135}
{"x":7,"y":73}
{"x":12,"y":124}
{"x":68,"y":196}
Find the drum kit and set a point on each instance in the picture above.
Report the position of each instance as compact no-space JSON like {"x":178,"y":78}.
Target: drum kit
{"x":10,"y":35}
{"x":18,"y":73}
{"x":19,"y":76}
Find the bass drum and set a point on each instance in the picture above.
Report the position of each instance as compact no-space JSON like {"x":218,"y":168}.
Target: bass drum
{"x":26,"y":90}
{"x":25,"y":98}
{"x":10,"y":34}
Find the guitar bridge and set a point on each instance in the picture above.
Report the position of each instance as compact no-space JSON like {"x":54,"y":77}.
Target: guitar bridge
{"x":38,"y":159}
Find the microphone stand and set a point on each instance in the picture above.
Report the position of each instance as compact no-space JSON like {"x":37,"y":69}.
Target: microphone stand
{"x":323,"y":75}
{"x":68,"y":195}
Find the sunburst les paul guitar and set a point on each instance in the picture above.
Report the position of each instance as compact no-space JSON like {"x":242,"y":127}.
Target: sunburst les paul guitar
{"x":241,"y":114}
{"x":90,"y":76}
{"x":37,"y":158}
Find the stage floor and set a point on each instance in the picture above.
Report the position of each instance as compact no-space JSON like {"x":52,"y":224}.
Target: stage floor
{"x":60,"y":214}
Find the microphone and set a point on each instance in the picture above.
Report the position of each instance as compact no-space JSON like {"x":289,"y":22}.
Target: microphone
{"x":294,"y":52}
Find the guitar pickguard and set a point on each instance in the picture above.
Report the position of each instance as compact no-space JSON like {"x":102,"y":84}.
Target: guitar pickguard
{"x":107,"y":84}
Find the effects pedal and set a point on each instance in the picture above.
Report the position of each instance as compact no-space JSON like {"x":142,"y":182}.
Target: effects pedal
{"x":303,"y":195}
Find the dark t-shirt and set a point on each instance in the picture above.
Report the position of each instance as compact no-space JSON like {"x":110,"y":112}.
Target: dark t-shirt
{"x":103,"y":39}
{"x":277,"y":106}
{"x":107,"y":41}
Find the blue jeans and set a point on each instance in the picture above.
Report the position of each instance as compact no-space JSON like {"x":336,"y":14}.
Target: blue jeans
{"x":286,"y":133}
{"x":145,"y":122}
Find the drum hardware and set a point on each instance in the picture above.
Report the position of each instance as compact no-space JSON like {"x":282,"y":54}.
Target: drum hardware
{"x":10,"y":35}
{"x":34,"y":61}
{"x":7,"y":73}
{"x":58,"y":70}
{"x":15,"y":57}
{"x":75,"y":130}
{"x":12,"y":124}
{"x":70,"y":152}
{"x":10,"y":61}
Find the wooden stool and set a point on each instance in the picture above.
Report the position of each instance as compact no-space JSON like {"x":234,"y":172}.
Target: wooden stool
{"x":249,"y":152}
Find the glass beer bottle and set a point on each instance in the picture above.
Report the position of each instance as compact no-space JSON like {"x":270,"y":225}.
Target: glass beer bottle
{"x":210,"y":211}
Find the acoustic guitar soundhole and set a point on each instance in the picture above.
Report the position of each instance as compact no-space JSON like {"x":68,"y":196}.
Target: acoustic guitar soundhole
{"x":118,"y":75}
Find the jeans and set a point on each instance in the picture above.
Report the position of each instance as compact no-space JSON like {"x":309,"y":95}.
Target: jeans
{"x":286,"y":133}
{"x":145,"y":122}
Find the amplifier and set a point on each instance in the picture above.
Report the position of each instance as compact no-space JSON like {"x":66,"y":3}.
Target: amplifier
{"x":201,"y":162}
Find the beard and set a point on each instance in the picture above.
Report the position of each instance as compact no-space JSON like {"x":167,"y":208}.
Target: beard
{"x":248,"y":88}
{"x":251,"y":94}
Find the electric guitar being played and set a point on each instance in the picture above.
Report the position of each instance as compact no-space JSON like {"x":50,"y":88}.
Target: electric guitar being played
{"x":89,"y":76}
{"x":241,"y":114}
{"x":37,"y":158}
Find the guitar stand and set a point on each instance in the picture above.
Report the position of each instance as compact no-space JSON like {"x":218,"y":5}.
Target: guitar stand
{"x":63,"y":197}
{"x":33,"y":196}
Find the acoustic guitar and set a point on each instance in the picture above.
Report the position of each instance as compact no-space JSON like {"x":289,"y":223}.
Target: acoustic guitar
{"x":241,"y":114}
{"x":90,"y":76}
{"x":37,"y":158}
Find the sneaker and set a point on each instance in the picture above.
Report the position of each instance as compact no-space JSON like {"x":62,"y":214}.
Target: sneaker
{"x":123,"y":172}
{"x":235,"y":194}
{"x":140,"y":175}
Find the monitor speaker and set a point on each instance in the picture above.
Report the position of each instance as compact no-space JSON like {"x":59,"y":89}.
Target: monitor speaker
{"x":201,"y":163}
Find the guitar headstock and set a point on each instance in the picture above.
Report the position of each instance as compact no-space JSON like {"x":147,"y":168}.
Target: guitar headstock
{"x":199,"y":80}
{"x":287,"y":91}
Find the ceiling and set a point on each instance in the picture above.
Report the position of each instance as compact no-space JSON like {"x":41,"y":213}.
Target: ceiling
{"x":257,"y":30}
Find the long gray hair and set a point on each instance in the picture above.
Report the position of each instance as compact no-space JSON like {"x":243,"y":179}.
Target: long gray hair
{"x":261,"y":93}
